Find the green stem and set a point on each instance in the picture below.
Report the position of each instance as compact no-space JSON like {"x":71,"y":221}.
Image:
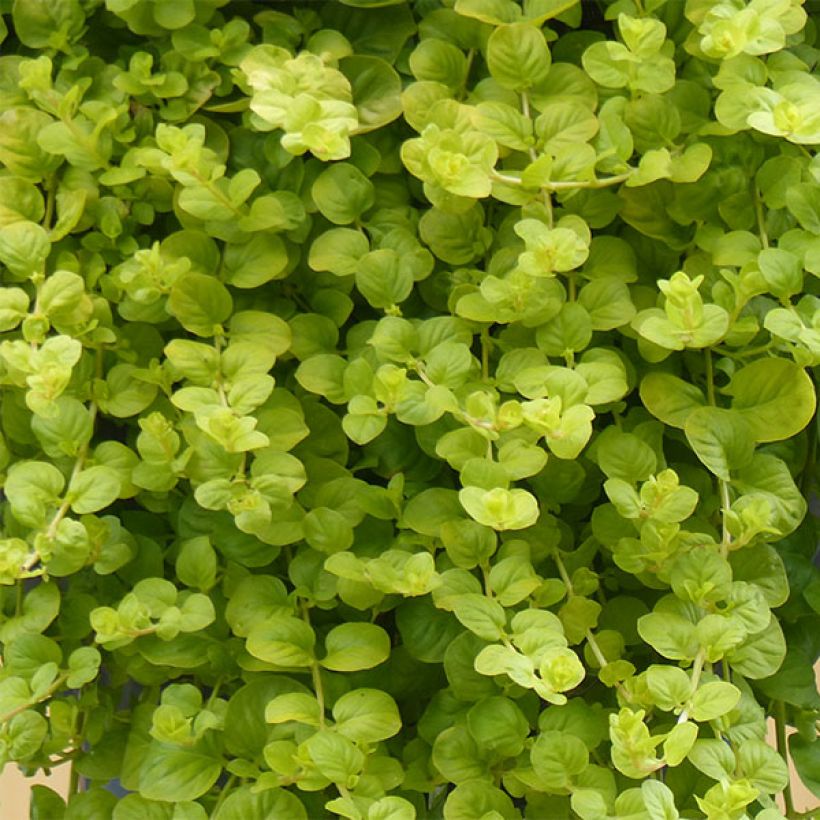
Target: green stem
{"x":73,"y":779}
{"x":316,"y":677}
{"x":51,"y":188}
{"x":697,"y":671}
{"x":725,"y":506}
{"x":809,"y":476}
{"x":594,"y":646}
{"x":462,"y":92}
{"x":79,"y":463}
{"x":710,"y":377}
{"x":214,"y":693}
{"x":12,"y":713}
{"x":486,"y":344}
{"x":316,"y":674}
{"x":723,"y":486}
{"x":563,"y":185}
{"x":226,"y":790}
{"x":782,"y":748}
{"x":525,"y":110}
{"x":761,"y":220}
{"x":546,"y":197}
{"x":485,"y":575}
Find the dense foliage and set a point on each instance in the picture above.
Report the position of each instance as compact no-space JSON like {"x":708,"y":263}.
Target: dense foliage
{"x":408,"y":409}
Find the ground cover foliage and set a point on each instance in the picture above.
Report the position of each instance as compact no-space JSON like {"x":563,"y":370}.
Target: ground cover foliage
{"x":408,"y":409}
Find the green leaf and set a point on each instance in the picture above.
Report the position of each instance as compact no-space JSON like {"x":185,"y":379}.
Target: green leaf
{"x":244,"y":803}
{"x":761,"y":655}
{"x":517,"y":56}
{"x":558,"y":758}
{"x":41,"y":24}
{"x":659,"y":800}
{"x":338,"y":250}
{"x":506,"y":125}
{"x":382,"y":279}
{"x":775,"y":397}
{"x":608,"y":303}
{"x":327,"y":530}
{"x":625,"y":456}
{"x":500,"y":508}
{"x":342,"y":193}
{"x":803,"y":201}
{"x":668,"y":686}
{"x":171,"y":773}
{"x":721,"y":439}
{"x":477,"y":798}
{"x":391,"y":808}
{"x":804,"y":755}
{"x":701,"y":576}
{"x":24,"y":248}
{"x":196,"y":563}
{"x":282,"y":640}
{"x":46,"y":804}
{"x":482,"y":616}
{"x":96,"y":803}
{"x":782,"y":272}
{"x":671,"y":635}
{"x":376,"y":89}
{"x":200,"y":303}
{"x":669,"y":398}
{"x":714,"y":699}
{"x":334,"y":755}
{"x":294,"y":706}
{"x":22,"y":155}
{"x":253,"y":263}
{"x":354,"y":646}
{"x":67,"y":432}
{"x":438,"y":61}
{"x":767,"y":479}
{"x":714,"y":758}
{"x":93,"y":489}
{"x":32,"y":487}
{"x":763,"y":766}
{"x":367,"y":716}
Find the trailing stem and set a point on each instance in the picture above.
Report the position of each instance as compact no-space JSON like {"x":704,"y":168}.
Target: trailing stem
{"x":316,"y":674}
{"x":782,"y":748}
{"x":723,"y":486}
{"x":594,"y":646}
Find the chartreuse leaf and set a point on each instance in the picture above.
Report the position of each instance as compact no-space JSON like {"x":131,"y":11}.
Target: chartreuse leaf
{"x":499,"y":508}
{"x":775,"y":397}
{"x":669,"y":398}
